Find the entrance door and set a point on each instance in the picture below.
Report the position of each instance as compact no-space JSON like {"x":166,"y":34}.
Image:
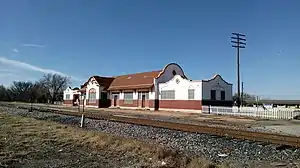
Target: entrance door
{"x":143,"y":100}
{"x":75,"y":99}
{"x":115,"y":100}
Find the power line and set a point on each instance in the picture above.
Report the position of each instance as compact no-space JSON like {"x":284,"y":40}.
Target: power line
{"x":238,"y":41}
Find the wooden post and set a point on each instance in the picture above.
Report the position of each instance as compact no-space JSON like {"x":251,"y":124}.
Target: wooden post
{"x":82,"y":115}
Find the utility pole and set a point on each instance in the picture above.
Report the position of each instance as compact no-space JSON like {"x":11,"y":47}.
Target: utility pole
{"x":238,"y":41}
{"x":242,"y":94}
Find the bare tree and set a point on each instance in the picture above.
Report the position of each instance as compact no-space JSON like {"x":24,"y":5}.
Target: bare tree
{"x":54,"y":86}
{"x":21,"y":91}
{"x":39,"y":93}
{"x":246,"y":98}
{"x":4,"y":94}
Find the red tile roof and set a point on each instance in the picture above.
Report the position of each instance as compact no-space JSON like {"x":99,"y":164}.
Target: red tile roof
{"x":134,"y":81}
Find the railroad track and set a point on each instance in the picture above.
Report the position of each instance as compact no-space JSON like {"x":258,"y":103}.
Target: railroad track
{"x":273,"y":138}
{"x":219,"y":131}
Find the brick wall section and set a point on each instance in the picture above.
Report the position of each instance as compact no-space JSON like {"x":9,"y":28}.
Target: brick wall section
{"x":145,"y":105}
{"x":68,"y":102}
{"x":151,"y":103}
{"x":92,"y":103}
{"x":134,"y":104}
{"x":168,"y":104}
{"x":181,"y":104}
{"x":112,"y":102}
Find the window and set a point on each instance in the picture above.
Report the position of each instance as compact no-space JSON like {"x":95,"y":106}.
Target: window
{"x":168,"y":94}
{"x":128,"y":97}
{"x":140,"y":94}
{"x":68,"y":97}
{"x":92,"y":96}
{"x":114,"y":94}
{"x":103,"y":95}
{"x":191,"y":94}
{"x":213,"y":94}
{"x":222,"y":95}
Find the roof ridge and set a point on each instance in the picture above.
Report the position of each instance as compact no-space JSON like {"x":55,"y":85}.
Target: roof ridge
{"x":103,"y":76}
{"x":139,"y":73}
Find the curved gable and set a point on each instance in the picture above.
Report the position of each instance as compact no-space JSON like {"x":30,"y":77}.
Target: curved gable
{"x":215,"y":77}
{"x":169,"y":72}
{"x":177,"y":79}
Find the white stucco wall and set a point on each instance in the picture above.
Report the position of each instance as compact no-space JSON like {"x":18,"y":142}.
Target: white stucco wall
{"x":213,"y":85}
{"x":181,"y":88}
{"x":95,"y":86}
{"x":70,"y":92}
{"x":152,"y":94}
{"x":166,"y":76}
{"x":168,"y":73}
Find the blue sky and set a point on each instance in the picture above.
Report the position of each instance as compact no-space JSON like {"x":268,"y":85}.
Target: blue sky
{"x":81,"y":38}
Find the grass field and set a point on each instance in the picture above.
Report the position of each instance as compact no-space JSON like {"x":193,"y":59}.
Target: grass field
{"x":26,"y":142}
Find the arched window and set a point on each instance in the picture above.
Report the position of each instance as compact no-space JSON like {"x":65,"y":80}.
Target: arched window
{"x":92,"y":96}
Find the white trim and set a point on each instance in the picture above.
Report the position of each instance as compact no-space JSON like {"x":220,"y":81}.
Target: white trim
{"x":132,"y":85}
{"x":90,"y":106}
{"x":142,"y":90}
{"x":66,"y":104}
{"x":134,"y":108}
{"x":180,"y":110}
{"x":91,"y":80}
{"x":124,"y":107}
{"x":114,"y":107}
{"x":163,"y":109}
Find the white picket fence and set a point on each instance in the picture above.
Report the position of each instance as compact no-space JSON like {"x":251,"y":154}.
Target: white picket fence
{"x":272,"y":113}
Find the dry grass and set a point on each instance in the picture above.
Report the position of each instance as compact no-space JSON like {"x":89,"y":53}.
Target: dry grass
{"x":24,"y":139}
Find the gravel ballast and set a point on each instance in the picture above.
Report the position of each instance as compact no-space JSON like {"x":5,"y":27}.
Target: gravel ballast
{"x":216,"y":149}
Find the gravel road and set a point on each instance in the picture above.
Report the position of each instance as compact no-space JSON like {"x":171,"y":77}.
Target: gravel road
{"x":216,"y":149}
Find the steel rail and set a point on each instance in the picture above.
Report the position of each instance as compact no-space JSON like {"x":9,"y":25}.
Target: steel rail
{"x":218,"y":131}
{"x":273,"y":138}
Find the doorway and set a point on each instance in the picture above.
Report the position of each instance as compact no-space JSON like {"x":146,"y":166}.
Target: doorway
{"x":115,"y":100}
{"x":75,"y":100}
{"x":143,"y":100}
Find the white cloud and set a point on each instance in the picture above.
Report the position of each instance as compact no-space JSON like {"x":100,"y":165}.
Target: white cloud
{"x":15,"y":50}
{"x":26,"y":66}
{"x":32,"y":45}
{"x":6,"y":71}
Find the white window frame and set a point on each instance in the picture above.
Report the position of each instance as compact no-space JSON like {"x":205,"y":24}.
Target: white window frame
{"x":113,"y":94}
{"x":141,"y":93}
{"x":167,"y":95}
{"x":128,"y":97}
{"x":68,"y":96}
{"x":191,"y":94}
{"x":92,"y":96}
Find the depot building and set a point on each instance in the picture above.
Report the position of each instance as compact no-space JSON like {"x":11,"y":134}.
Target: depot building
{"x":166,"y":89}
